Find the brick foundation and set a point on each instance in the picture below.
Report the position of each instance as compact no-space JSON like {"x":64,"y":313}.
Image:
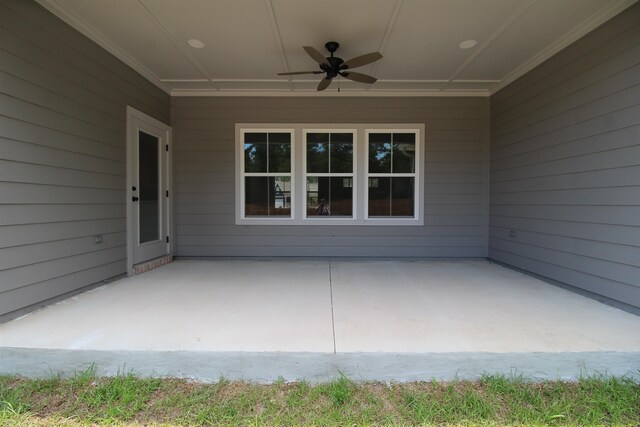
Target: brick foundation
{"x":150,"y":265}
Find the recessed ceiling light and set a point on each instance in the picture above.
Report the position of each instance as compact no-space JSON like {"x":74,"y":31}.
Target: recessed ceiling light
{"x":195,"y":43}
{"x":468,"y":44}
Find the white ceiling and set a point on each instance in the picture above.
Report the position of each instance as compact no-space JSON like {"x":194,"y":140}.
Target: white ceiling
{"x":247,"y":42}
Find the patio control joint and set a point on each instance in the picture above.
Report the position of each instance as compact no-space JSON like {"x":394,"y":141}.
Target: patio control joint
{"x":333,"y":324}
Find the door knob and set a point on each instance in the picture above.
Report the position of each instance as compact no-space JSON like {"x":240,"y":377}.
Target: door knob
{"x":134,"y":199}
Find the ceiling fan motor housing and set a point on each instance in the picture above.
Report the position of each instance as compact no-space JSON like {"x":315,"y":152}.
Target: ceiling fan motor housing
{"x":334,"y":69}
{"x":334,"y":62}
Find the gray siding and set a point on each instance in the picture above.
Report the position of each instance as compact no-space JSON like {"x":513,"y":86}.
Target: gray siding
{"x":456,"y":178}
{"x":62,"y":156}
{"x":565,"y":165}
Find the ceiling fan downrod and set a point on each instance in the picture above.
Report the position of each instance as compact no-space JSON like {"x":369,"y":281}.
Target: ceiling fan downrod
{"x":334,"y":61}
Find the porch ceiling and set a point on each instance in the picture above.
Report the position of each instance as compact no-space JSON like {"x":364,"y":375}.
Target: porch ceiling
{"x":454,"y":314}
{"x":247,"y":42}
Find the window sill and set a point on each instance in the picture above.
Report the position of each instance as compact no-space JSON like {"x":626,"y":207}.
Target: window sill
{"x":329,"y":222}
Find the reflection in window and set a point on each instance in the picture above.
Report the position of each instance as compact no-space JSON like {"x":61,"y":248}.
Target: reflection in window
{"x":391,"y":174}
{"x":327,"y":196}
{"x":267,"y":152}
{"x":392,"y":153}
{"x":391,"y":197}
{"x":267,"y":168}
{"x":267,"y":196}
{"x":329,"y":174}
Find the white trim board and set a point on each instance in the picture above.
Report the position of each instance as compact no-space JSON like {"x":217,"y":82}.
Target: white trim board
{"x":344,"y":93}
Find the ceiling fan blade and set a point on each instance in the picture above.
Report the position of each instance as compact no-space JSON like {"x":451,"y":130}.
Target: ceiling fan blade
{"x":316,"y":55}
{"x":324,"y":83}
{"x":300,"y":72}
{"x":361,"y":60}
{"x":358,"y":77}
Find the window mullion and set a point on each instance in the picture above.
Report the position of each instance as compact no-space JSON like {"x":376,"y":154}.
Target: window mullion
{"x":329,"y":160}
{"x":268,"y":153}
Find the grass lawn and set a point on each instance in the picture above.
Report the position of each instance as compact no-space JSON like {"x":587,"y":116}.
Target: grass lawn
{"x":492,"y":400}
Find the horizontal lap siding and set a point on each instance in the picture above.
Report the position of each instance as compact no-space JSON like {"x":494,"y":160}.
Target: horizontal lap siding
{"x":565,"y":165}
{"x":62,"y":156}
{"x":456,"y":178}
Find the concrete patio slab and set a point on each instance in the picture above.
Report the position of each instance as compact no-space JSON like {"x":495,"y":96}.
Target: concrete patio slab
{"x":191,"y":306}
{"x":470,"y":306}
{"x":314,"y":319}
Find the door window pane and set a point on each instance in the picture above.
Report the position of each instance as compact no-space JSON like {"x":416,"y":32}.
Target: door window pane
{"x":148,"y":175}
{"x":267,"y":196}
{"x":329,"y":196}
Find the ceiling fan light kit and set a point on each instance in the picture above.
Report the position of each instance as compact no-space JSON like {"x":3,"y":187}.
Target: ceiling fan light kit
{"x":334,"y":66}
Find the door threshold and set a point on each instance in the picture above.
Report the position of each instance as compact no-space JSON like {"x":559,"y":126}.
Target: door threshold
{"x":151,"y":264}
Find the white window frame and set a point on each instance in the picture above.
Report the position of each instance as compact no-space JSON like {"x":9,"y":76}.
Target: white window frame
{"x":352,"y":175}
{"x":240,"y":181}
{"x":415,"y":175}
{"x":360,"y":173}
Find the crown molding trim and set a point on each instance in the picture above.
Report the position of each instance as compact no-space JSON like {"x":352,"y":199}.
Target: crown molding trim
{"x":344,"y":93}
{"x":588,"y":25}
{"x":71,"y":18}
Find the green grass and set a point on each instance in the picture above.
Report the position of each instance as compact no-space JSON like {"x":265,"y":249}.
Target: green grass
{"x":126,"y":399}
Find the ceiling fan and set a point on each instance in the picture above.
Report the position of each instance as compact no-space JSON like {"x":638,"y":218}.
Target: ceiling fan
{"x":334,"y":66}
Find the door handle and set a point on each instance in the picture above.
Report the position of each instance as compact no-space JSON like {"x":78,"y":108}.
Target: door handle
{"x":134,"y":199}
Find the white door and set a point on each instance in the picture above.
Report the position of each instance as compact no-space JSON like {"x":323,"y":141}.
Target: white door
{"x":148,"y":192}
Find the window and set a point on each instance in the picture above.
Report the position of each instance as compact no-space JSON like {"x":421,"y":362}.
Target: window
{"x":266,"y":171}
{"x":391,"y":174}
{"x":329,"y":174}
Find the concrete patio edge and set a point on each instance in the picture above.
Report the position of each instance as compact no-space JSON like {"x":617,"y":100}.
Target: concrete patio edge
{"x":317,"y":367}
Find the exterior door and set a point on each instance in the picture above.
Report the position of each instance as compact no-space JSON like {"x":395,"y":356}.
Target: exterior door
{"x":148,"y":192}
